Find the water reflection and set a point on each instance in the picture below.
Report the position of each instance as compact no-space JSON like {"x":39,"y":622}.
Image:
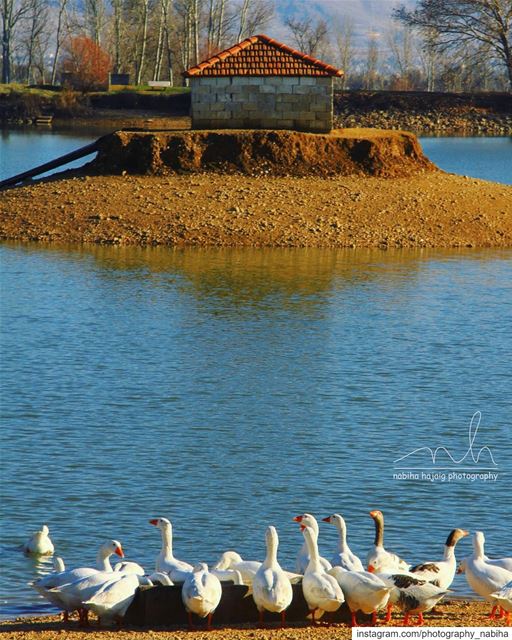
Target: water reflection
{"x":228,"y":389}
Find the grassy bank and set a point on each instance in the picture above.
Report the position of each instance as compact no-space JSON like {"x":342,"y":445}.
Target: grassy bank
{"x":21,"y":105}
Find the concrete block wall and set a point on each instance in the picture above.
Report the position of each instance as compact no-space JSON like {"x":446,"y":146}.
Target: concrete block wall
{"x":302,"y":103}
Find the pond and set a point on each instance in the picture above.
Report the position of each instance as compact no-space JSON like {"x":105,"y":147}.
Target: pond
{"x":231,"y":389}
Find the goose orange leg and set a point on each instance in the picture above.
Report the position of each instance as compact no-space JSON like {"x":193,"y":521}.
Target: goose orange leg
{"x":406,"y":620}
{"x":353,"y":621}
{"x":421,"y":621}
{"x":389,"y":609}
{"x":374,"y":619}
{"x":283,"y":619}
{"x":209,"y":624}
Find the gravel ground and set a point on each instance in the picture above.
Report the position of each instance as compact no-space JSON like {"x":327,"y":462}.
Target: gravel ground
{"x":456,"y":614}
{"x":433,"y":209}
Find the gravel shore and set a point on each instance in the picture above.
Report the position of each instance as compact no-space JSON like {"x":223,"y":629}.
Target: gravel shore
{"x":433,"y":209}
{"x":451,"y":614}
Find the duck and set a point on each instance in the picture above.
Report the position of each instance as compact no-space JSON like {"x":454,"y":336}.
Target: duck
{"x":363,"y":591}
{"x":307,"y":520}
{"x":483,"y":577}
{"x":45,"y":586}
{"x":503,"y":598}
{"x":272,"y":589}
{"x":178,"y":570}
{"x":379,"y":560}
{"x":39,"y":543}
{"x":321,"y":590}
{"x":412,"y":595}
{"x":112,"y":599}
{"x":201,"y":593}
{"x":442,"y":572}
{"x":344,"y":557}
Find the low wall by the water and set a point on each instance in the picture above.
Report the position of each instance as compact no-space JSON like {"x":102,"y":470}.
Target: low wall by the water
{"x":269,"y":152}
{"x":162,"y":606}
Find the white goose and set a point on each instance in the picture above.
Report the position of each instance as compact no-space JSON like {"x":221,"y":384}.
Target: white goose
{"x":45,"y":586}
{"x":73,"y":595}
{"x":484,"y":578}
{"x":39,"y":543}
{"x":112,"y":599}
{"x":503,"y":598}
{"x":178,"y":570}
{"x":232,"y":561}
{"x":321,"y":590}
{"x":201,"y":593}
{"x":272,"y":589}
{"x":442,"y":573}
{"x":379,"y":560}
{"x":129,"y":567}
{"x":363,"y":591}
{"x":344,"y":557}
{"x":307,"y":520}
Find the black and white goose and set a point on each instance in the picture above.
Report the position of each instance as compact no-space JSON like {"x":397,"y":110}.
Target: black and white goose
{"x":442,"y":573}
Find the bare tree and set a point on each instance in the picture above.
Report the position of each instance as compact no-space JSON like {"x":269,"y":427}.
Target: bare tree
{"x":95,"y":19}
{"x":11,"y":12}
{"x":344,"y":41}
{"x":400,"y":45}
{"x":143,"y":15}
{"x":310,"y":36}
{"x":36,"y":22}
{"x":462,"y":23}
{"x":59,"y":38}
{"x":259,"y":13}
{"x":372,"y":64}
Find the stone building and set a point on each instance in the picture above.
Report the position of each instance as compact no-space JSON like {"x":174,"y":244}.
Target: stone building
{"x":262,"y":84}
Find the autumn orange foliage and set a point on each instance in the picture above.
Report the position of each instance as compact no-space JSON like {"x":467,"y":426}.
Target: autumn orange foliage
{"x":86,"y":62}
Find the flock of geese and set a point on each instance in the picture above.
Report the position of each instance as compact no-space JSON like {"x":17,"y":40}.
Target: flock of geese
{"x":388,"y":580}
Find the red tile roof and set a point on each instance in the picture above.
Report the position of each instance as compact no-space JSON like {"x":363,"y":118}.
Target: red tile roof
{"x":262,"y":56}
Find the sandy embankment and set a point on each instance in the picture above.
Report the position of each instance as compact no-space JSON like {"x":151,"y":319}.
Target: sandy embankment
{"x":386,"y":194}
{"x":453,"y":614}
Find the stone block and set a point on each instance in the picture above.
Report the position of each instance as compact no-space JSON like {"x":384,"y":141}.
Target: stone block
{"x":284,"y":124}
{"x":308,"y":80}
{"x":268,"y":88}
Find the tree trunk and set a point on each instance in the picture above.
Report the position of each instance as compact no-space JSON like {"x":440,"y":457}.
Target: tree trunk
{"x":58,"y":41}
{"x":144,"y":36}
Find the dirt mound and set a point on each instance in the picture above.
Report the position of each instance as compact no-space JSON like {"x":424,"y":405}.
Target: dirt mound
{"x":373,"y":152}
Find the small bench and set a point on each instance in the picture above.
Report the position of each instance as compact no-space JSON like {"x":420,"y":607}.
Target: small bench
{"x":159,"y":84}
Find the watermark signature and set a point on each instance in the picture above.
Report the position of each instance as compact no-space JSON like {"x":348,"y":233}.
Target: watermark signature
{"x":442,"y":466}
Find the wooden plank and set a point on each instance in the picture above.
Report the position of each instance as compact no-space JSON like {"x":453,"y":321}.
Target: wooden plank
{"x":53,"y":164}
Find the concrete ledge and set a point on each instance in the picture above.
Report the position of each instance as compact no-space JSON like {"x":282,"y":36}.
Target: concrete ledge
{"x":162,"y":607}
{"x":277,"y":152}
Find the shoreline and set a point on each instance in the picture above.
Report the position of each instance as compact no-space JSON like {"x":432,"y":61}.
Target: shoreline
{"x":453,"y":613}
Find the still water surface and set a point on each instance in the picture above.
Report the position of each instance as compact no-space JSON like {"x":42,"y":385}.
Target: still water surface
{"x":230,"y":389}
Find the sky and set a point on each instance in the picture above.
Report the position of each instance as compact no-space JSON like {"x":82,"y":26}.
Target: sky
{"x":367,"y":16}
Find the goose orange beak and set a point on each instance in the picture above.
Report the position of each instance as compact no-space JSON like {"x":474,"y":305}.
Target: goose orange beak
{"x":297,"y":519}
{"x":371,"y":569}
{"x":328,"y":519}
{"x":375,"y":513}
{"x":119,"y":552}
{"x":154,"y":521}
